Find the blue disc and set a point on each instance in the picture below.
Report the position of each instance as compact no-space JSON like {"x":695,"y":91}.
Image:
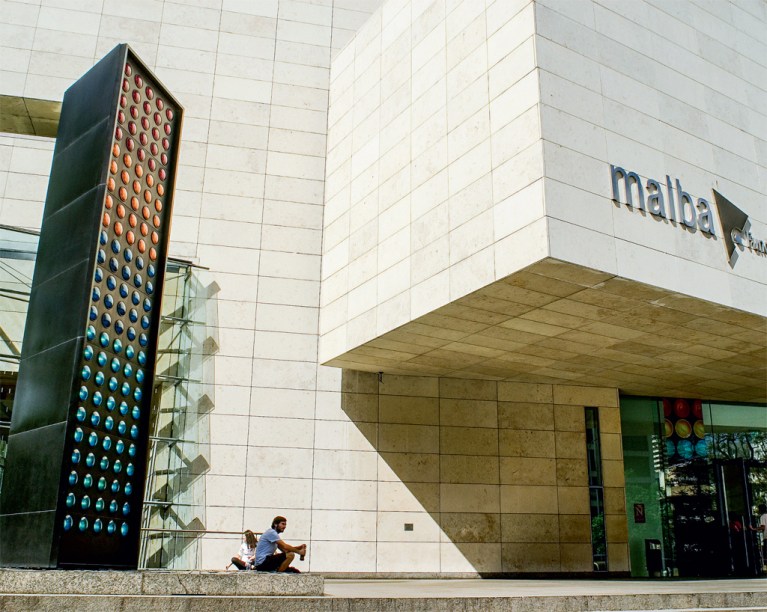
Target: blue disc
{"x":701,"y":448}
{"x":132,"y":453}
{"x":93,"y":313}
{"x":75,"y":456}
{"x":125,"y":389}
{"x":114,"y":265}
{"x":99,"y":378}
{"x":102,"y":485}
{"x":121,"y":309}
{"x":90,"y":332}
{"x":128,"y":370}
{"x":72,"y":478}
{"x":119,"y":327}
{"x":101,"y":256}
{"x":103,"y":237}
{"x":97,"y":398}
{"x":119,"y":447}
{"x":106,"y":319}
{"x":85,"y":502}
{"x":128,"y":254}
{"x":104,"y":339}
{"x":130,"y":468}
{"x":109,"y":301}
{"x":137,"y":394}
{"x":115,"y":246}
{"x":98,"y":275}
{"x":130,"y":352}
{"x":151,"y":270}
{"x":113,"y":384}
{"x":80,"y":414}
{"x":85,"y":373}
{"x":96,"y":294}
{"x":93,"y":439}
{"x":70,"y":500}
{"x":88,"y":353}
{"x":138,"y":280}
{"x":145,"y":322}
{"x":126,"y":509}
{"x":122,"y":428}
{"x":134,"y":431}
{"x":67,"y":523}
{"x":143,"y":340}
{"x":111,"y":527}
{"x":111,"y":282}
{"x":111,"y":403}
{"x":78,"y":435}
{"x":117,"y":466}
{"x":136,"y":413}
{"x":135,"y":298}
{"x":128,"y":488}
{"x":102,"y":359}
{"x":684,"y":448}
{"x":97,"y":526}
{"x":109,"y":423}
{"x":83,"y":524}
{"x":142,"y":357}
{"x":114,"y":365}
{"x":115,"y":488}
{"x":149,"y":287}
{"x":133,"y":315}
{"x":117,"y":345}
{"x":124,"y":529}
{"x":140,"y":262}
{"x":95,"y":418}
{"x":124,"y":406}
{"x":124,"y":290}
{"x":147,"y":304}
{"x":131,"y":334}
{"x":126,"y":272}
{"x":107,"y":443}
{"x":99,"y":505}
{"x":90,"y":460}
{"x":104,"y":463}
{"x":88,"y":481}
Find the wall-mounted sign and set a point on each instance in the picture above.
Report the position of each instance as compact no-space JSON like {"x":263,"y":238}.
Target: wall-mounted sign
{"x":668,"y":200}
{"x":639,"y":513}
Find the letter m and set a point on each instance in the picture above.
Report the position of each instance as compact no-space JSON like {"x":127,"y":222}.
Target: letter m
{"x":619,"y":174}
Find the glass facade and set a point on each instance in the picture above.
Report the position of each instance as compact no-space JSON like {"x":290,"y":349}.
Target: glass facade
{"x":695,"y":473}
{"x":173,"y":519}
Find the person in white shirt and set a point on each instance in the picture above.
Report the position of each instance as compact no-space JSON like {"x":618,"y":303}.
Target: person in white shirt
{"x":245,"y":559}
{"x":761,"y":529}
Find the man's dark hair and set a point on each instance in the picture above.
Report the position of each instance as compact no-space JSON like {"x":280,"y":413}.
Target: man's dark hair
{"x":762,"y":508}
{"x":278,"y":519}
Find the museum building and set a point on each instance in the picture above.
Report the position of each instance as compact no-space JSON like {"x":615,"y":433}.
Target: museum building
{"x":458,"y":287}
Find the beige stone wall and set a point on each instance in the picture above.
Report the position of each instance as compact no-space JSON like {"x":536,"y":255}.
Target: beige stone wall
{"x":492,"y":475}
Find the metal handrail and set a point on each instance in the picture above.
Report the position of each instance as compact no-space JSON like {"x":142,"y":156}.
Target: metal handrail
{"x":164,"y":530}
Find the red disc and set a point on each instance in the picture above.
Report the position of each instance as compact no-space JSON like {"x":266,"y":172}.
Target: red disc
{"x":128,"y":70}
{"x":139,"y":81}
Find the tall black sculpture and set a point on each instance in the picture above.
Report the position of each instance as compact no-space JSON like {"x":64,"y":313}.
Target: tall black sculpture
{"x":77,"y":451}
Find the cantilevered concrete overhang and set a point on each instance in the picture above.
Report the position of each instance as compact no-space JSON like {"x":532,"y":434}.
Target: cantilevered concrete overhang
{"x":557,"y":322}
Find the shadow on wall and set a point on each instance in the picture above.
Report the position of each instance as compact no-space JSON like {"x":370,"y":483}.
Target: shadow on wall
{"x":485,"y":476}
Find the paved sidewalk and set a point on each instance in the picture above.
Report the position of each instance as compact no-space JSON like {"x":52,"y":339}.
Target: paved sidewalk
{"x":533,"y":588}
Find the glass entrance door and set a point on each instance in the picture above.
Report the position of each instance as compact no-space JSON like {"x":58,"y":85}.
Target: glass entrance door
{"x":735,"y":504}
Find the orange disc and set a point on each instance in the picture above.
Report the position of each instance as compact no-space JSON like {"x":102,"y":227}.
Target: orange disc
{"x":134,"y":203}
{"x":136,"y":187}
{"x":144,"y":228}
{"x":147,"y":196}
{"x":123,"y":193}
{"x":130,"y":237}
{"x":160,"y":189}
{"x":116,"y":150}
{"x":119,"y":228}
{"x":105,"y":220}
{"x":127,"y":160}
{"x":113,"y":167}
{"x":152,"y":253}
{"x":132,"y":220}
{"x":139,"y":171}
{"x":141,"y":246}
{"x":120,"y":211}
{"x":156,"y":220}
{"x":111,"y":184}
{"x":150,"y":180}
{"x":125,"y":177}
{"x":158,"y":205}
{"x":145,"y":212}
{"x":155,"y":238}
{"x":108,"y":201}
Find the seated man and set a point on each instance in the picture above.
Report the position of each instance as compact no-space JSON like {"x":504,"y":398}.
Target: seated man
{"x":270,"y":540}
